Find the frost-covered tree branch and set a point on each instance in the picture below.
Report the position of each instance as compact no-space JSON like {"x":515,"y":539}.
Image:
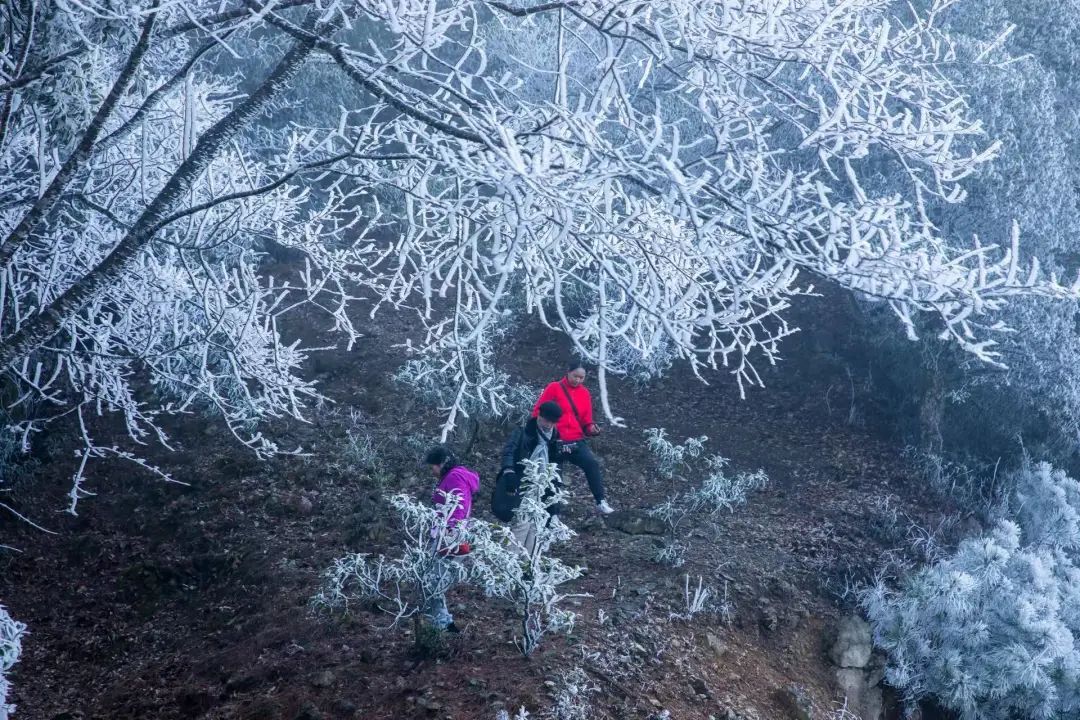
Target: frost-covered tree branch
{"x":670,"y":175}
{"x":11,"y":634}
{"x":659,"y":180}
{"x":140,"y":251}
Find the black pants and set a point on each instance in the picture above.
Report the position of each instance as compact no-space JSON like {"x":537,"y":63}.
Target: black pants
{"x":582,"y":456}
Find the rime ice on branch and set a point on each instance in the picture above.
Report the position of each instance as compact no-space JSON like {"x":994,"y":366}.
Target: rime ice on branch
{"x":648,"y":177}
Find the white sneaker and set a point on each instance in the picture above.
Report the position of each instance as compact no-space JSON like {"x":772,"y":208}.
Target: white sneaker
{"x":603,"y":508}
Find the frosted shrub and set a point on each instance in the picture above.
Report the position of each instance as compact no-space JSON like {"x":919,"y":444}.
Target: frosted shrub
{"x":668,"y":456}
{"x":530,"y":578}
{"x":403,"y":586}
{"x":11,"y":633}
{"x":521,"y":714}
{"x":670,"y":459}
{"x":991,"y":631}
{"x":717,"y":492}
{"x":721,"y":492}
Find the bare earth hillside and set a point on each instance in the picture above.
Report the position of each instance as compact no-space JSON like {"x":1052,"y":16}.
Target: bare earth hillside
{"x":167,"y":601}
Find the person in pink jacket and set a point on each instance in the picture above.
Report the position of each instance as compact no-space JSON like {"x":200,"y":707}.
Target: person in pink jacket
{"x":456,"y":483}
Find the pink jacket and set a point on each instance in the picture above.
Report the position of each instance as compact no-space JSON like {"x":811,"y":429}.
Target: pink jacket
{"x":463,"y":482}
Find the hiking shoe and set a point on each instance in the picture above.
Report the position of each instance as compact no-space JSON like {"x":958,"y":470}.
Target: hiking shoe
{"x":603,"y":508}
{"x":452,"y":628}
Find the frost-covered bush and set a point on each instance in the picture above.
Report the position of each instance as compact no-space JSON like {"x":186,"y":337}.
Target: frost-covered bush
{"x":668,"y":456}
{"x":521,"y":714}
{"x":717,"y":492}
{"x":530,"y":577}
{"x":720,"y":491}
{"x":573,"y":692}
{"x":404,"y":586}
{"x":11,"y":633}
{"x":993,"y":631}
{"x":671,"y":460}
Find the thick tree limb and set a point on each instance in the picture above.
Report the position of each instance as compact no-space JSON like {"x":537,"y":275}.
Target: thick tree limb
{"x":224,"y":17}
{"x":82,"y":151}
{"x":40,"y":71}
{"x":153,"y":98}
{"x":109,"y":271}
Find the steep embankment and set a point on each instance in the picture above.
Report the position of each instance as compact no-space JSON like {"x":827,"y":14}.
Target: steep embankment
{"x":166,"y":601}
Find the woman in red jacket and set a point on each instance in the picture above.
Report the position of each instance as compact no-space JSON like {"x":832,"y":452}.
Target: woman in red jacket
{"x":575,"y":425}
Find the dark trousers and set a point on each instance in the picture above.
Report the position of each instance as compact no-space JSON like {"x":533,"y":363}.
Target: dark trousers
{"x":582,"y":456}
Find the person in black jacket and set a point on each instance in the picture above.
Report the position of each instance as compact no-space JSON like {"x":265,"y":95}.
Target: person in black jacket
{"x":537,"y":439}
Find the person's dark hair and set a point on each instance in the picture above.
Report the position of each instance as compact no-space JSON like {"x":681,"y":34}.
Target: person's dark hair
{"x":550,"y":411}
{"x":574,"y":365}
{"x":442,"y":456}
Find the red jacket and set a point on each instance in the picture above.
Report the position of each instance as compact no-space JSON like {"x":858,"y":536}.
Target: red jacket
{"x":570,"y":430}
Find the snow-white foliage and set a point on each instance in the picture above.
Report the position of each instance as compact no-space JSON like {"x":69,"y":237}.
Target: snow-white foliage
{"x":641,"y":365}
{"x":138,"y":210}
{"x":698,"y":599}
{"x":668,"y":456}
{"x":716,"y":493}
{"x":991,"y":631}
{"x":572,"y":699}
{"x":688,"y":167}
{"x":688,"y":221}
{"x":468,"y":385}
{"x":403,"y":586}
{"x":719,"y":491}
{"x":11,"y":634}
{"x":531,"y":578}
{"x":521,"y":714}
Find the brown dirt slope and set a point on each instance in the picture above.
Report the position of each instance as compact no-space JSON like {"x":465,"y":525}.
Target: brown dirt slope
{"x":167,"y":601}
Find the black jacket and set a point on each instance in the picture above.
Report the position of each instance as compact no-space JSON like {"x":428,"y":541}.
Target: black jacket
{"x":520,"y":447}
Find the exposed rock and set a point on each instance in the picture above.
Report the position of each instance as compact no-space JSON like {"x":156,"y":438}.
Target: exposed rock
{"x":699,"y":687}
{"x":769,"y":619}
{"x":323,"y":680}
{"x":634,"y":522}
{"x":863,"y":699}
{"x":853,"y":644}
{"x":303,"y":505}
{"x":345,"y":707}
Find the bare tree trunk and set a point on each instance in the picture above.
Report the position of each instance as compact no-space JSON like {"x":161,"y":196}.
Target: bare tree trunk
{"x":112,"y":268}
{"x":932,"y":407}
{"x":82,"y":151}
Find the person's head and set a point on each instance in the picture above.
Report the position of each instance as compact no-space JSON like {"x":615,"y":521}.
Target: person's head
{"x":549,"y":415}
{"x":575,"y":374}
{"x":440,"y":460}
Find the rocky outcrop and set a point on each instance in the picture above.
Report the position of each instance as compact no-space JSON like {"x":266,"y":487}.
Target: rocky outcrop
{"x":858,"y":669}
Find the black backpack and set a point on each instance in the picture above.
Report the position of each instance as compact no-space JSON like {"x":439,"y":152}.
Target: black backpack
{"x":504,"y":499}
